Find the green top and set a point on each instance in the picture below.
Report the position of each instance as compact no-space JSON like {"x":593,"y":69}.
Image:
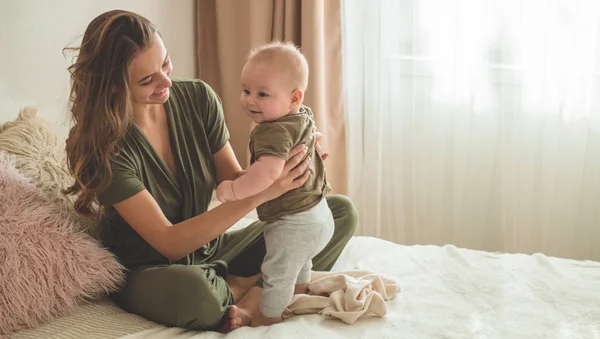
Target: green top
{"x":277,"y":138}
{"x":197,"y":131}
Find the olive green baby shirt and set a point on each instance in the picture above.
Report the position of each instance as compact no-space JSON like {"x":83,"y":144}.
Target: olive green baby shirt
{"x":277,"y":138}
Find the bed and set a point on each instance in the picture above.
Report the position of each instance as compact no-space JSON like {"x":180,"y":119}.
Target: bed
{"x":446,"y":292}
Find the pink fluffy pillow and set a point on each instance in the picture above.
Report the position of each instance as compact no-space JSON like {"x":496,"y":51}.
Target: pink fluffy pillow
{"x":47,"y":264}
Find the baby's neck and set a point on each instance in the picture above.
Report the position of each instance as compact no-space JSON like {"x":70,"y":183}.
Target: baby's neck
{"x":296,"y":111}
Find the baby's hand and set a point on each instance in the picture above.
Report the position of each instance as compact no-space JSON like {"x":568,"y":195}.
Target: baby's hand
{"x":225,"y":191}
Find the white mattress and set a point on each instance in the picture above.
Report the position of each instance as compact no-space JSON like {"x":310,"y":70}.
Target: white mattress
{"x":446,"y":293}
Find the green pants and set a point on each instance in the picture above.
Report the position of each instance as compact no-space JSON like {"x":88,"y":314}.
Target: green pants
{"x":197,"y":296}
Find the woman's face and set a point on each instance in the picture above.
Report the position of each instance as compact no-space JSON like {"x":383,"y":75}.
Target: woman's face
{"x":149,"y":79}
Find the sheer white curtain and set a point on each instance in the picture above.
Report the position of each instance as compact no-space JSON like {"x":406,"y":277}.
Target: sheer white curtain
{"x":476,"y":122}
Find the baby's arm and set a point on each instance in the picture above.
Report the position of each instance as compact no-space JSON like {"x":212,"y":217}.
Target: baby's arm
{"x":258,"y":177}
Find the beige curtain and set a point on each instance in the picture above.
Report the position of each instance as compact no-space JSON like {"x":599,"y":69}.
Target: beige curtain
{"x":228,"y":29}
{"x":478,"y":121}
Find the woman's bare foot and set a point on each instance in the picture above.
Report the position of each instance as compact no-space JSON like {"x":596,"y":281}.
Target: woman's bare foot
{"x":234,"y":318}
{"x":241,"y":314}
{"x":301,"y":289}
{"x":261,"y":320}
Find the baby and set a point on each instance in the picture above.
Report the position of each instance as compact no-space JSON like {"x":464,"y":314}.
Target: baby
{"x":298,"y":224}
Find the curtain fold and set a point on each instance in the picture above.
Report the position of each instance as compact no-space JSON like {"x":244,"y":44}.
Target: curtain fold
{"x":228,"y":29}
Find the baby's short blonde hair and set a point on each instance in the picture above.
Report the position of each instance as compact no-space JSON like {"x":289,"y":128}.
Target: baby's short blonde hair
{"x":285,"y":55}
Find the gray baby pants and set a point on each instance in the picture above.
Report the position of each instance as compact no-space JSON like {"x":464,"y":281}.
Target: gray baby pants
{"x":292,"y":241}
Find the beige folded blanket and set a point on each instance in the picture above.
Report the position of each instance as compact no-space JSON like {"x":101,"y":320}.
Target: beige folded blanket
{"x":345,"y":295}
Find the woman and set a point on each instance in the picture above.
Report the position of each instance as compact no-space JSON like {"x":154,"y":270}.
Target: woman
{"x":150,"y":150}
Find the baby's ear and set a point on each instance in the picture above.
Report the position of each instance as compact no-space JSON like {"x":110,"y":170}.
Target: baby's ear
{"x":297,"y":97}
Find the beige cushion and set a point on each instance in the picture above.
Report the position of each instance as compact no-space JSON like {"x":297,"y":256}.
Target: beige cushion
{"x":39,"y":154}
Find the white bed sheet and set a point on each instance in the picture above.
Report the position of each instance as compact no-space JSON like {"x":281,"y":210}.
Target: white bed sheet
{"x":446,"y":293}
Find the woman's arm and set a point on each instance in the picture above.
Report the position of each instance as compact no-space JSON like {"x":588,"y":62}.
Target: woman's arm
{"x":175,"y":241}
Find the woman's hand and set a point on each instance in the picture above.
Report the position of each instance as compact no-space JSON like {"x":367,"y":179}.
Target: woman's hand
{"x":318,"y":147}
{"x":290,"y":178}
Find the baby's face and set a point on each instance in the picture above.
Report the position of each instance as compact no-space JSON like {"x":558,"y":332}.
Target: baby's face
{"x":266,"y":92}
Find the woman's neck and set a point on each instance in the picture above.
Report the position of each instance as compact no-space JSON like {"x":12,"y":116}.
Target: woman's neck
{"x":147,"y":115}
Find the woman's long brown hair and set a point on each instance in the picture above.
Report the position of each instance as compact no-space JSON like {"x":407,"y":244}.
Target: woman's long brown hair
{"x":100,"y":102}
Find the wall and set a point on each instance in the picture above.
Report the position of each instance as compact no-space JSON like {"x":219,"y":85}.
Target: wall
{"x":33,"y":69}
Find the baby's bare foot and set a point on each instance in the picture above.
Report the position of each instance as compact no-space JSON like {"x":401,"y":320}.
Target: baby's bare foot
{"x":301,"y":289}
{"x":234,"y":318}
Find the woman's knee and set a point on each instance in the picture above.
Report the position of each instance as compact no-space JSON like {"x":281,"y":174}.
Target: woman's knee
{"x":183,"y":296}
{"x":203,"y":300}
{"x":344,"y":213}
